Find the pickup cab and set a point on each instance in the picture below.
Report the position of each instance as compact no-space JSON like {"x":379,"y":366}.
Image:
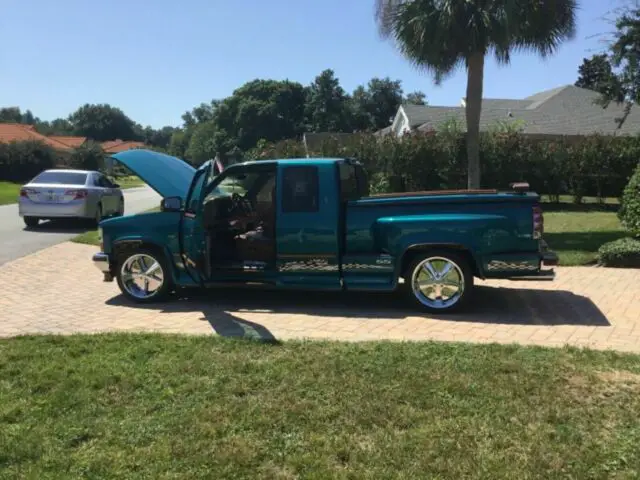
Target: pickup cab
{"x":312,"y":224}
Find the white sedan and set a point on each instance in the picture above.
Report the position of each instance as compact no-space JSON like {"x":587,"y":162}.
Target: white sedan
{"x":81,"y":194}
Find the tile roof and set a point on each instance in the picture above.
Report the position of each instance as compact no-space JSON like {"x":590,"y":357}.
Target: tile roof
{"x":17,"y":132}
{"x":566,"y":110}
{"x":115,"y":146}
{"x":72,"y":142}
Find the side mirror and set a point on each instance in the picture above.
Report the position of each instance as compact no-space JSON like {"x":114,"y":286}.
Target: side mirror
{"x":116,"y":185}
{"x":171,"y":204}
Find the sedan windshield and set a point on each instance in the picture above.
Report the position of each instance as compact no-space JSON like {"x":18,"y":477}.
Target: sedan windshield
{"x":61,"y":178}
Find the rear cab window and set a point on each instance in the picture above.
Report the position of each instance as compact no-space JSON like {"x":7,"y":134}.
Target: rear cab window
{"x":300,"y":189}
{"x":354,"y":183}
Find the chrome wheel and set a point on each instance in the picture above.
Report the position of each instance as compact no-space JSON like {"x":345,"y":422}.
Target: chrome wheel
{"x":142,"y":276}
{"x":438,"y":283}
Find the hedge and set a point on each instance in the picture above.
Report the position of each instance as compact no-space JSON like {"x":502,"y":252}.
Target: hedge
{"x":629,"y":212}
{"x":624,"y":252}
{"x":21,"y":161}
{"x":597,"y":166}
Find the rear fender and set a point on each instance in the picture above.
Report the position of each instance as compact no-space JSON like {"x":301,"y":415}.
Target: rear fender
{"x":411,"y":249}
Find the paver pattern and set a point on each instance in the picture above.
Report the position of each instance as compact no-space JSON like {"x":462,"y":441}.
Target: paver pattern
{"x":59,"y":291}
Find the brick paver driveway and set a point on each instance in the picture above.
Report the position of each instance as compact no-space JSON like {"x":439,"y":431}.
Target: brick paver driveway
{"x":58,"y":290}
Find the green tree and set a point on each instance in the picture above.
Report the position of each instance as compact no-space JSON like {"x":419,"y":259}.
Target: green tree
{"x":89,"y":156}
{"x":327,"y":104}
{"x":102,"y":122}
{"x":443,"y":35}
{"x":416,"y":98}
{"x":59,"y":126}
{"x":205,"y":143}
{"x":261,"y":109}
{"x":179,"y":142}
{"x":374,"y":106}
{"x":625,"y":58}
{"x":596,"y":74}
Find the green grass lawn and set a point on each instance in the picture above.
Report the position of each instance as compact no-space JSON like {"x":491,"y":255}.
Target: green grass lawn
{"x":128,"y":181}
{"x":152,"y":406}
{"x":91,"y":237}
{"x":9,"y":192}
{"x":576,"y":235}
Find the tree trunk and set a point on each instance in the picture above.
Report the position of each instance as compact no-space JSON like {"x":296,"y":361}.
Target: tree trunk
{"x":475,"y":76}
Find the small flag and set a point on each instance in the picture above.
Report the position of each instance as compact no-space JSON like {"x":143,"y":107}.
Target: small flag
{"x":217,"y":163}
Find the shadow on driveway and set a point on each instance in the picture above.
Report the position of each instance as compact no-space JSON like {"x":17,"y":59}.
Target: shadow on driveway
{"x":62,"y":226}
{"x":490,"y":305}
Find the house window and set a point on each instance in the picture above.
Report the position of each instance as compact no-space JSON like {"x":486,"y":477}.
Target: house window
{"x":300,"y":190}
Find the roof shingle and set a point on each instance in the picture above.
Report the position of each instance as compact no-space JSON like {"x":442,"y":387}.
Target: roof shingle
{"x":17,"y":132}
{"x":116,"y":146}
{"x":566,"y":110}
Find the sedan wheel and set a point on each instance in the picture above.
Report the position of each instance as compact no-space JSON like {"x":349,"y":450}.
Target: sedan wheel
{"x":143,"y":277}
{"x":31,"y":221}
{"x":439,"y":282}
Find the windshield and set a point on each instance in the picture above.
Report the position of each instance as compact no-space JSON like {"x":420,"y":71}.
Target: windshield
{"x":61,"y":178}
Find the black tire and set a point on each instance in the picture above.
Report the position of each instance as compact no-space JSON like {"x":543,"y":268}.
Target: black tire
{"x":460,"y":270}
{"x":162,"y":292}
{"x":31,"y":222}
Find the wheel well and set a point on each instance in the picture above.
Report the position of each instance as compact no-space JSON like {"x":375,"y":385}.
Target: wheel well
{"x":125,"y":248}
{"x":413,"y":252}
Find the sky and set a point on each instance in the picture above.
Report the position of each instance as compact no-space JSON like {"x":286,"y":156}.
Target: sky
{"x":157,"y":59}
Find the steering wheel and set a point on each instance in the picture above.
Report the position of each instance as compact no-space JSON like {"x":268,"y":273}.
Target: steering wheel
{"x":239,"y":202}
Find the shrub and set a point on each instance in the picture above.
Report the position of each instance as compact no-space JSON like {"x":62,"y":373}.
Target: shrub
{"x":593,"y":165}
{"x":87,"y":157}
{"x":21,"y":161}
{"x":624,"y":252}
{"x":629,"y":212}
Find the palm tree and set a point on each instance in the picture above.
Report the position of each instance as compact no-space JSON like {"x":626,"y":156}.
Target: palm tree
{"x":442,"y":35}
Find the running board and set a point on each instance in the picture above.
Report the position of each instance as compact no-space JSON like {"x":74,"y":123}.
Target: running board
{"x":543,"y":275}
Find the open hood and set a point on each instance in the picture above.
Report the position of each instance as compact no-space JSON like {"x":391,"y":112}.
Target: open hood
{"x":167,"y":175}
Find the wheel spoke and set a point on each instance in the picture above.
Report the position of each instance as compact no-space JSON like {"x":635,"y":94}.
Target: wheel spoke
{"x":438,"y":282}
{"x":430,"y":270}
{"x":447,"y":268}
{"x":153,"y":268}
{"x":141,"y":276}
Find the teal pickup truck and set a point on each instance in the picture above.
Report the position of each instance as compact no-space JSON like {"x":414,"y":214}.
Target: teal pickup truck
{"x":312,"y":224}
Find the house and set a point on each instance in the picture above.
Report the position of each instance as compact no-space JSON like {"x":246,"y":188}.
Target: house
{"x":72,"y":142}
{"x":116,"y":146}
{"x":18,"y":132}
{"x":566,"y":110}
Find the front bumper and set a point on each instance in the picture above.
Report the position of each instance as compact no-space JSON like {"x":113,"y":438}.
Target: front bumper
{"x":73,"y":209}
{"x":102,"y":262}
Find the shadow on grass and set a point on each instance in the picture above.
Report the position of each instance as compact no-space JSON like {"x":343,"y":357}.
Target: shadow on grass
{"x":491,"y":305}
{"x":585,"y":241}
